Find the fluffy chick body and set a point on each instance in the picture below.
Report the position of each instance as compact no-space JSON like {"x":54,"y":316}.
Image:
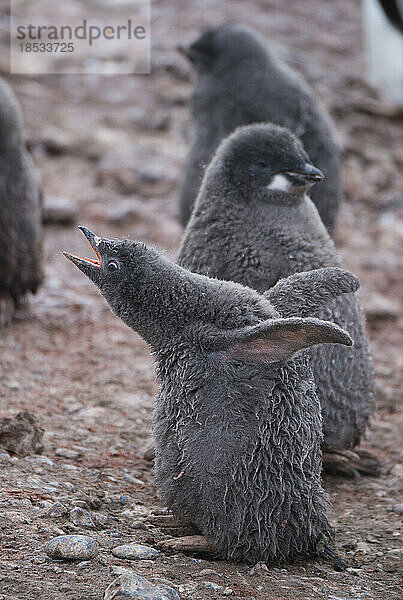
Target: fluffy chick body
{"x":255,"y":236}
{"x":239,"y":81}
{"x":237,"y":421}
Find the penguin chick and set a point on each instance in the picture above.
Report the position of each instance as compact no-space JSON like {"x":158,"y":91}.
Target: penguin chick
{"x":237,"y":422}
{"x":20,"y":211}
{"x":254,"y":224}
{"x":239,"y":81}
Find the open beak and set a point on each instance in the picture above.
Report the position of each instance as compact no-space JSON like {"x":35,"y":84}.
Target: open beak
{"x":87,"y":262}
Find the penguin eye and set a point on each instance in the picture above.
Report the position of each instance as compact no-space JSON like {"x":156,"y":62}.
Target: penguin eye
{"x":113,"y":266}
{"x":262,"y":163}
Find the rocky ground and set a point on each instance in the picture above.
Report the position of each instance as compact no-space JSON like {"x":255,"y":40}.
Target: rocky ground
{"x":112,"y":148}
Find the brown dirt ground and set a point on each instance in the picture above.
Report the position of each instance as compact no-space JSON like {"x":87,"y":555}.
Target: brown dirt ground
{"x":90,"y":380}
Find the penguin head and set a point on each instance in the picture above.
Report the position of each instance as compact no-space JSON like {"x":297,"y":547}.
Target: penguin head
{"x":222,"y":47}
{"x":269,"y":158}
{"x":124,"y":271}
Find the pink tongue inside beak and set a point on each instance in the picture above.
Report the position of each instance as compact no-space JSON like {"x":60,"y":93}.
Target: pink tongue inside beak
{"x":96,"y":263}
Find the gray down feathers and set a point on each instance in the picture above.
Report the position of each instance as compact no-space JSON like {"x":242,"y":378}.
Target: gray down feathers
{"x":237,"y":421}
{"x":20,"y":211}
{"x":255,"y":236}
{"x":239,"y":81}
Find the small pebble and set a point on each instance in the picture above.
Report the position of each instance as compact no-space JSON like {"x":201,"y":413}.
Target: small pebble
{"x":82,"y":518}
{"x":208,"y":572}
{"x":72,"y":547}
{"x":102,"y":521}
{"x":55,"y":569}
{"x":57,"y":510}
{"x":362,"y":547}
{"x":21,"y":434}
{"x":83,"y":564}
{"x":135,"y":552}
{"x":138,"y":525}
{"x":131,"y":585}
{"x":113,"y":533}
{"x":39,"y":560}
{"x":118,"y":570}
{"x":339,"y":564}
{"x":67,"y":453}
{"x":40,"y":460}
{"x":260,"y":568}
{"x":210,"y":585}
{"x":71,"y":467}
{"x":118,"y":501}
{"x":53,"y":530}
{"x":134,"y":480}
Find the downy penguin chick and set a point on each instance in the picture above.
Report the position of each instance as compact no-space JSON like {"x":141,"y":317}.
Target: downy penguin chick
{"x":237,"y":421}
{"x":239,"y":81}
{"x":254,"y":224}
{"x":20,"y":211}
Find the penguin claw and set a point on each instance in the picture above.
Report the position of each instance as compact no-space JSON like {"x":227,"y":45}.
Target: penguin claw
{"x":350,"y":463}
{"x":197,"y":544}
{"x":339,"y":564}
{"x":371,"y":464}
{"x":174,"y":526}
{"x":163,"y":520}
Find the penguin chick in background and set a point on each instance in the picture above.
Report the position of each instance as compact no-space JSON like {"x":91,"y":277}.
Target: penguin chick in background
{"x":20,"y":211}
{"x":254,"y":224}
{"x":239,"y":81}
{"x":237,"y":422}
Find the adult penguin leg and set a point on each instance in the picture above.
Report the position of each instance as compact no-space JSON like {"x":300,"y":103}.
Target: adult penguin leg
{"x":351,"y":463}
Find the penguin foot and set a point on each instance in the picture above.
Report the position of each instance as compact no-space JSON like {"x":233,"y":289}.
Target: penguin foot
{"x":7,"y":309}
{"x":370,"y":464}
{"x":351,"y":463}
{"x":194,"y":544}
{"x":339,"y":564}
{"x":175,"y":526}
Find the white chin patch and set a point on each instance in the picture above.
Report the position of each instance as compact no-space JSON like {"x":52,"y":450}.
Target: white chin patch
{"x":280,"y":183}
{"x":97,"y":240}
